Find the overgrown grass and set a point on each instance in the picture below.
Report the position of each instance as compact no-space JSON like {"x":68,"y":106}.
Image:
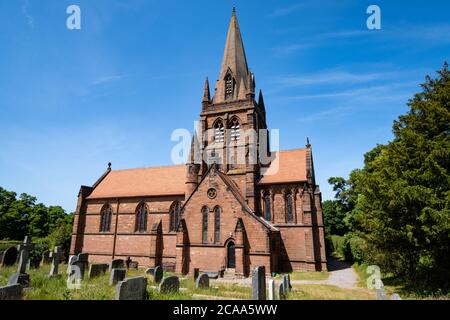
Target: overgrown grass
{"x":327,"y":292}
{"x":306,"y":275}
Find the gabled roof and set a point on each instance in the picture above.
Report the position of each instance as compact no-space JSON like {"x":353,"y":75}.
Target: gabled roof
{"x":158,"y":181}
{"x":288,"y":167}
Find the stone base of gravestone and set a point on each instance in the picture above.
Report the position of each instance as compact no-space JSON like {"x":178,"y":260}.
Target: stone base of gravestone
{"x":158,"y":274}
{"x":132,"y":289}
{"x":202,"y":281}
{"x":97,"y":269}
{"x":169,"y":285}
{"x":20,"y":278}
{"x":11,"y":292}
{"x":116,"y":276}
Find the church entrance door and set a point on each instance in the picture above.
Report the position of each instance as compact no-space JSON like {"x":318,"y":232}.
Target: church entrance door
{"x":231,"y":255}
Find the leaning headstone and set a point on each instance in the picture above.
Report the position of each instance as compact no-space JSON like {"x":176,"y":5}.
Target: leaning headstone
{"x":169,"y":284}
{"x":45,"y":260}
{"x":97,"y":269}
{"x":117,"y":264}
{"x":195,"y":273}
{"x":287,"y":283}
{"x":395,"y":296}
{"x":271,"y":289}
{"x":21,"y":277}
{"x":259,"y":283}
{"x":280,"y":291}
{"x":116,"y":276}
{"x":202,"y":281}
{"x":132,"y":289}
{"x":11,"y":292}
{"x":56,"y":259}
{"x":9,"y":257}
{"x":158,"y":274}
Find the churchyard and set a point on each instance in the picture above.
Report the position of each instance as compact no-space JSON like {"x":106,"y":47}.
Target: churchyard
{"x":51,"y":279}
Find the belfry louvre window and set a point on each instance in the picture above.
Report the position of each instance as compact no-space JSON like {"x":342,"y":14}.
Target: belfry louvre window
{"x":289,"y":208}
{"x":175,"y":215}
{"x":141,"y":218}
{"x":205,"y":225}
{"x":229,"y":87}
{"x":267,"y":213}
{"x":105,"y":218}
{"x":219,"y":132}
{"x":217,"y":225}
{"x":235,"y":130}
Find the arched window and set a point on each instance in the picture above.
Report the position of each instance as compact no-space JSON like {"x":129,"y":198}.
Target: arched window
{"x":235,"y":130}
{"x":289,"y":208}
{"x":219,"y":132}
{"x":141,"y":218}
{"x":217,"y":225}
{"x":229,"y":86}
{"x":105,"y":218}
{"x":205,"y":225}
{"x":175,"y":215}
{"x":267,"y":212}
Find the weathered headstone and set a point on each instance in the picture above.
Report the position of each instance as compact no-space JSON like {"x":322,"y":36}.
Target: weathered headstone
{"x":56,"y":259}
{"x":116,"y":276}
{"x":195,"y":273}
{"x":45,"y":260}
{"x":11,"y":292}
{"x":202,"y":281}
{"x":169,"y":284}
{"x":158,"y":274}
{"x":280,"y":291}
{"x":117,"y":264}
{"x":21,"y":277}
{"x":132,"y":289}
{"x":395,"y":296}
{"x":259,"y":283}
{"x":97,"y":269}
{"x":9,"y":257}
{"x":271,"y":289}
{"x":287,"y":283}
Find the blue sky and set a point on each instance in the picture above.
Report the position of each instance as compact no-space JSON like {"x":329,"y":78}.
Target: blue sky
{"x":71,"y":101}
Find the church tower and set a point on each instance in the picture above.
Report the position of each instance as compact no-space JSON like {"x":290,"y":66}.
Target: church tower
{"x":231,"y":119}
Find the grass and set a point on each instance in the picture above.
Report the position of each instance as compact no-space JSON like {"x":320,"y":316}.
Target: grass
{"x":306,"y":275}
{"x":328,"y":292}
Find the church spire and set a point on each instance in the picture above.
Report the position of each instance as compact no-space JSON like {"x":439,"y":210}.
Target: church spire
{"x":234,"y":71}
{"x":206,"y":93}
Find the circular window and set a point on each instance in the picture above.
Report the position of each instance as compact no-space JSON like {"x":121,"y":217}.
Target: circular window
{"x":212,"y":193}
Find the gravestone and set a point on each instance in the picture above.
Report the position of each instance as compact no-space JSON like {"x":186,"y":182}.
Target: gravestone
{"x":133,"y":265}
{"x":158,"y":274}
{"x":72,"y":260}
{"x":287,"y":283}
{"x":11,"y":292}
{"x":195,"y":273}
{"x":132,"y":289}
{"x":97,"y":269}
{"x":202,"y":281}
{"x":259,"y":283}
{"x":395,"y":296}
{"x":117,"y":264}
{"x":150,"y":271}
{"x":116,"y":276}
{"x":56,"y":260}
{"x":21,"y":277}
{"x":271,"y":289}
{"x":280,"y":291}
{"x":84,"y":258}
{"x":9,"y":257}
{"x":45,"y":260}
{"x":169,"y":284}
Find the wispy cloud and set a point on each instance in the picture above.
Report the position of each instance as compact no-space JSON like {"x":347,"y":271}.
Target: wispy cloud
{"x":281,"y":12}
{"x":26,"y":13}
{"x":108,"y":79}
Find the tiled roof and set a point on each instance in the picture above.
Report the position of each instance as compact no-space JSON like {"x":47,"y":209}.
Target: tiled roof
{"x":289,"y":166}
{"x":158,"y":181}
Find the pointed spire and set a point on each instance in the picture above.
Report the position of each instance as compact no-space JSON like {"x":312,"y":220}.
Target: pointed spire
{"x":261,"y":101}
{"x":234,"y":60}
{"x":206,"y":92}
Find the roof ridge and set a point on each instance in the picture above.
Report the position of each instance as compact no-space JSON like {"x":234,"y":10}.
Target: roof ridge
{"x":146,"y":168}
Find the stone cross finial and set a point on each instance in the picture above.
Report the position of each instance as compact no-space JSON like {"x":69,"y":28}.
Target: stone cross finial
{"x":56,"y":259}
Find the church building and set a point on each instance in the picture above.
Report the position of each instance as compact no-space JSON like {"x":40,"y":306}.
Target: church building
{"x":224,"y":211}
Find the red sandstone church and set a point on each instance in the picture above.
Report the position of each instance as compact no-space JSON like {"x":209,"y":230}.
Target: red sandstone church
{"x":217,"y":216}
